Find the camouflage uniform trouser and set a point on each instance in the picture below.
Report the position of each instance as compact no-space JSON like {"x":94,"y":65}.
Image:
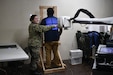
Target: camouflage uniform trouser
{"x":34,"y":57}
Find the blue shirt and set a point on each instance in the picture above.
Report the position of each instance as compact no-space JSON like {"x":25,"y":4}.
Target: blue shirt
{"x":53,"y":34}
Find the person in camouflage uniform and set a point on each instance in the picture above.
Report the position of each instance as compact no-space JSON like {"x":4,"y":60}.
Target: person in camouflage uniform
{"x":35,"y":40}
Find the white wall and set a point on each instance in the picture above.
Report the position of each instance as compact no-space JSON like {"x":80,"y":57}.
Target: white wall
{"x":14,"y":19}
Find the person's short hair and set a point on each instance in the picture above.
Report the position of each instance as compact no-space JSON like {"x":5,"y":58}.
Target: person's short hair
{"x":32,"y":17}
{"x":50,"y":11}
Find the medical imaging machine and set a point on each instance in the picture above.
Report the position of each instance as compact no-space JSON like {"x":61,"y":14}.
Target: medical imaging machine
{"x":91,"y":20}
{"x":67,"y":22}
{"x":104,"y":57}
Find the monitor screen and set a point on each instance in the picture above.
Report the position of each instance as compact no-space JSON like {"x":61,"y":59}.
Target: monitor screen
{"x":106,"y":50}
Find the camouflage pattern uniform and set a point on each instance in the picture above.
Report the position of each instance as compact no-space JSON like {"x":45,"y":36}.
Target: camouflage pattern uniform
{"x":35,"y":42}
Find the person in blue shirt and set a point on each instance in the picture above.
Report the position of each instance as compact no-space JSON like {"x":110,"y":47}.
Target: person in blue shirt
{"x":51,"y":38}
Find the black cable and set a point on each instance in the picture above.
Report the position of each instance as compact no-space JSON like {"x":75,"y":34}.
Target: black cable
{"x":84,"y":11}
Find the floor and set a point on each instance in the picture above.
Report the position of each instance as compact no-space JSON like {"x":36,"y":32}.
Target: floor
{"x":80,"y":69}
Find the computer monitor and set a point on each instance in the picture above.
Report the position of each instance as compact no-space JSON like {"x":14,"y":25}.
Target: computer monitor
{"x":106,"y":50}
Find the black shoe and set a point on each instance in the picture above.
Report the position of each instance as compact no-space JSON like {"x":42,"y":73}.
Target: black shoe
{"x":35,"y":72}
